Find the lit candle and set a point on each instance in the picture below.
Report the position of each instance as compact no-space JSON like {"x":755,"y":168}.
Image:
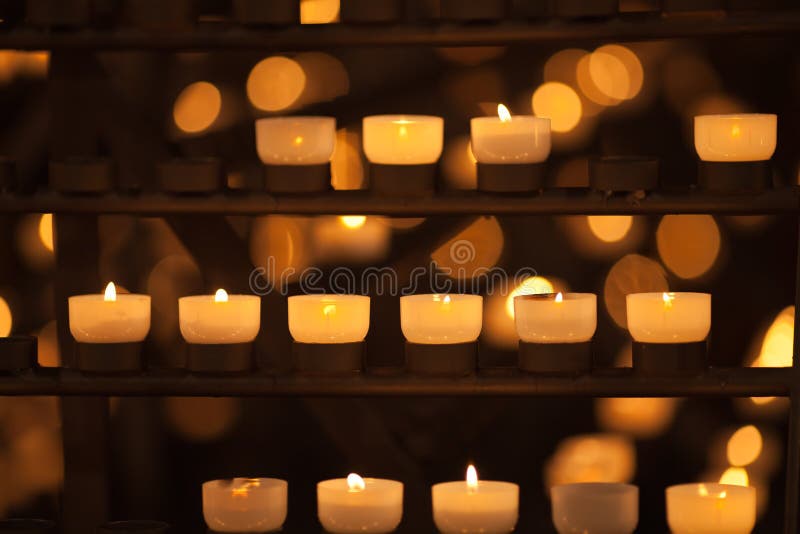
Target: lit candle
{"x":742,"y":137}
{"x":507,"y":139}
{"x":219,"y":318}
{"x":595,"y":508}
{"x":109,"y":318}
{"x":475,"y":506}
{"x":669,"y":317}
{"x":328,"y":318}
{"x":711,"y":509}
{"x":359,"y":505}
{"x":441,"y":319}
{"x":245,"y":504}
{"x":295,"y":140}
{"x":403,"y":139}
{"x":561,"y":318}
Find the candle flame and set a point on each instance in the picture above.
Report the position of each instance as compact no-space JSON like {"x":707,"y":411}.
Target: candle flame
{"x":560,"y":297}
{"x":403,"y":131}
{"x":503,"y":113}
{"x":736,"y":131}
{"x":329,"y":309}
{"x":667,"y":298}
{"x":446,"y":299}
{"x":355,"y":483}
{"x":472,"y":477}
{"x":221,"y":296}
{"x":111,"y":293}
{"x":298,"y":140}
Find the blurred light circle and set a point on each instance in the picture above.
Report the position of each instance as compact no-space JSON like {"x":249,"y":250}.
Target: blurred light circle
{"x":591,"y":458}
{"x":535,"y":285}
{"x":688,"y":244}
{"x":202,"y":418}
{"x":275,"y":83}
{"x":777,"y":346}
{"x":558,"y":102}
{"x":643,"y":418}
{"x":744,"y":446}
{"x":459,"y":164}
{"x":280,"y":245}
{"x":46,"y":230}
{"x":347,"y":168}
{"x":6,"y":320}
{"x":735,"y":476}
{"x":561,"y":66}
{"x":604,"y":71}
{"x":587,"y":84}
{"x":197,"y":107}
{"x":319,"y":11}
{"x":610,"y":228}
{"x":631,"y":274}
{"x":472,"y":250}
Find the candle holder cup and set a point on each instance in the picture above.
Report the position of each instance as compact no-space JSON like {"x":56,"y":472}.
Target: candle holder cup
{"x":134,"y":527}
{"x":18,"y":354}
{"x":260,"y":13}
{"x":456,"y":359}
{"x":586,"y":8}
{"x":555,"y":358}
{"x":402,"y":180}
{"x":26,"y":526}
{"x":511,"y":177}
{"x":328,"y":358}
{"x":473,"y":10}
{"x":82,"y":176}
{"x":8,"y":175}
{"x":370,"y":11}
{"x":670,"y":359}
{"x":219,"y":358}
{"x":623,"y":174}
{"x":109,"y":358}
{"x":190,"y":176}
{"x":297,"y":179}
{"x":734,"y":176}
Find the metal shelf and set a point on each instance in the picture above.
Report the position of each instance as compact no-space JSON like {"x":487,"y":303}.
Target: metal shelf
{"x":733,"y":382}
{"x":579,"y":202}
{"x":224,"y":36}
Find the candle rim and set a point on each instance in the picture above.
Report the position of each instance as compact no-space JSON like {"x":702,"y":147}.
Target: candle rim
{"x":403,"y":118}
{"x":226,"y":483}
{"x":329,"y":298}
{"x":618,"y":488}
{"x":660,"y":294}
{"x":484,"y":486}
{"x":306,"y":119}
{"x":231,"y":296}
{"x":691,"y":489}
{"x":341,"y":484}
{"x":439,"y":297}
{"x":100,"y":297}
{"x":546,"y":297}
{"x":737,"y":116}
{"x":544,"y":121}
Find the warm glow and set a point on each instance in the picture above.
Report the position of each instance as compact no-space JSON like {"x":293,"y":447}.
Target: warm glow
{"x":446,"y":299}
{"x":632,"y":76}
{"x":560,"y":297}
{"x":353,"y":221}
{"x":319,"y":11}
{"x":329,"y":310}
{"x":734,"y":476}
{"x":197,"y":107}
{"x":5,"y":318}
{"x":776,"y":349}
{"x":688,"y":244}
{"x":503,"y":113}
{"x":46,"y":230}
{"x":472,"y":477}
{"x":275,"y":83}
{"x":744,"y":446}
{"x":736,"y":131}
{"x":110,"y":294}
{"x":355,"y":483}
{"x":702,"y":490}
{"x":535,"y":285}
{"x":610,"y":228}
{"x":240,"y":492}
{"x":221,"y":296}
{"x":631,"y":274}
{"x":643,"y":418}
{"x":668,"y":298}
{"x":559,"y":103}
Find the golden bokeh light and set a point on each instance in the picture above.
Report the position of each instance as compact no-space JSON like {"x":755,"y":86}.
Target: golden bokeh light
{"x":275,"y":83}
{"x":535,"y":285}
{"x":202,"y":419}
{"x":735,"y":476}
{"x":281,"y":244}
{"x":777,"y":347}
{"x":459,"y":167}
{"x":362,"y":241}
{"x":46,"y":230}
{"x":610,"y":228}
{"x":744,"y":446}
{"x":48,"y":354}
{"x":347,"y":166}
{"x":643,"y":418}
{"x":587,"y":85}
{"x":591,"y":458}
{"x":31,"y":243}
{"x":319,"y":11}
{"x":616,"y":71}
{"x":6,"y":319}
{"x":631,"y":274}
{"x":688,"y":244}
{"x":563,"y":67}
{"x":326,"y":78}
{"x":559,"y":103}
{"x":197,"y":107}
{"x":353,"y":221}
{"x":472,"y":250}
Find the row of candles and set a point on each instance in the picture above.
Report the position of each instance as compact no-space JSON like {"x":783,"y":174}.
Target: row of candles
{"x":373,"y":506}
{"x":428,"y":319}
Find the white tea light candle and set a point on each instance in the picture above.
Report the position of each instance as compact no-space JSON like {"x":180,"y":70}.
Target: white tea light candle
{"x":110,"y":317}
{"x":245,"y":504}
{"x":507,"y":139}
{"x":711,"y":509}
{"x":740,"y":137}
{"x":435,"y":319}
{"x":560,"y":318}
{"x":360,"y":505}
{"x":595,"y":508}
{"x":219,"y":318}
{"x":403,"y":139}
{"x":328,"y":318}
{"x":295,"y":140}
{"x":669,"y":317}
{"x":475,"y":506}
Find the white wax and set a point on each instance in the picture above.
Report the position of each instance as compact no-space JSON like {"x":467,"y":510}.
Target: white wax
{"x":545,"y":319}
{"x":711,"y":509}
{"x":435,"y":319}
{"x":205,"y":321}
{"x":595,"y":508}
{"x":95,"y":320}
{"x":523,"y":139}
{"x":403,"y":139}
{"x":295,"y":140}
{"x":245,"y":504}
{"x":376,"y":509}
{"x":676,"y":318}
{"x":328,"y":318}
{"x":743,"y":137}
{"x":490,"y":508}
